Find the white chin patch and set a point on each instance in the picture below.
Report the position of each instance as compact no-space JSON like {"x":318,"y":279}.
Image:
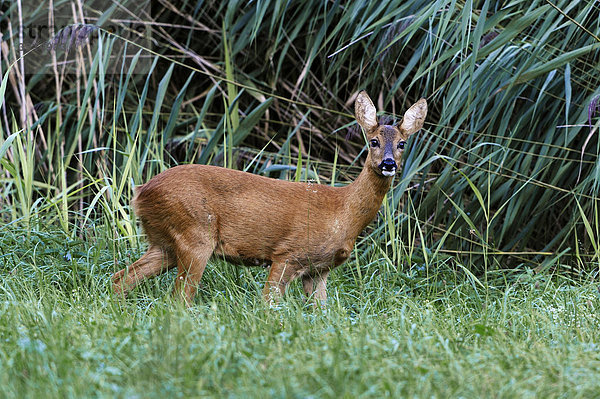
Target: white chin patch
{"x":388,"y":173}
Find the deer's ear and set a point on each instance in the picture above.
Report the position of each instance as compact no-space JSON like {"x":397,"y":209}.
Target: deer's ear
{"x":365,"y":112}
{"x":414,"y":118}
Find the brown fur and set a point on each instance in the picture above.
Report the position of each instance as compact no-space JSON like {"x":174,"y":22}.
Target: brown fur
{"x":192,"y":212}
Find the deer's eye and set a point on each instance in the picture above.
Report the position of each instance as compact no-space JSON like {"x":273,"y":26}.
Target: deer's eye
{"x":374,"y":143}
{"x":401,"y":145}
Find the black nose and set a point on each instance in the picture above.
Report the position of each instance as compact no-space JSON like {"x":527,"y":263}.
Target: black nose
{"x":388,"y":164}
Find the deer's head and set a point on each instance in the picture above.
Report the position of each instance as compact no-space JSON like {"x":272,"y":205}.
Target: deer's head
{"x":386,"y":142}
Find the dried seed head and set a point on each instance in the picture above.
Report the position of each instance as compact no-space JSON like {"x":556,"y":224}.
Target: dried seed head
{"x":386,"y":120}
{"x":488,"y":38}
{"x":391,"y":33}
{"x":72,"y":35}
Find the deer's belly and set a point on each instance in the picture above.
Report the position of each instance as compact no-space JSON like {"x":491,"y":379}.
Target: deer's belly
{"x":325,"y":258}
{"x":316,"y":255}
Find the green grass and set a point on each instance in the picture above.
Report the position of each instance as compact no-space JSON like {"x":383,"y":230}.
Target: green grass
{"x":429,"y":334}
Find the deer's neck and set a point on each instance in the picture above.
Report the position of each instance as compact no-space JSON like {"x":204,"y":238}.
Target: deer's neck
{"x":365,"y":195}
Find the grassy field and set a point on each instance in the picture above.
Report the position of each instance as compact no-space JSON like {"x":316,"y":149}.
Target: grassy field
{"x":478,"y":279}
{"x":432,"y":333}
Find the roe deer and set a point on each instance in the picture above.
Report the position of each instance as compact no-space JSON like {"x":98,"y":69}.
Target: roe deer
{"x":191,"y":212}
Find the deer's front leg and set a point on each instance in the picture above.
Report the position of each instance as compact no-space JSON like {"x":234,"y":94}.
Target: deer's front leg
{"x":308,"y":284}
{"x":316,"y":286}
{"x":280,"y":275}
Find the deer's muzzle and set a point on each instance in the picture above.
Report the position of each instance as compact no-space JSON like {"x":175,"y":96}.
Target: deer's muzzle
{"x":388,"y":167}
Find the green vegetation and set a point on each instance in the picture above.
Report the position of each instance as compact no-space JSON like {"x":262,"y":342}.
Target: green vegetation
{"x":479,"y":277}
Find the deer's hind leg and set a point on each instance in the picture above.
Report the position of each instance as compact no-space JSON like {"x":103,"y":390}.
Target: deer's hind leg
{"x":154,"y":262}
{"x":192,"y":254}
